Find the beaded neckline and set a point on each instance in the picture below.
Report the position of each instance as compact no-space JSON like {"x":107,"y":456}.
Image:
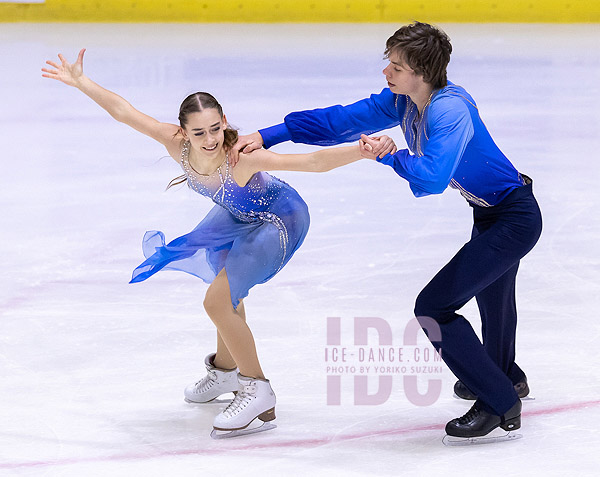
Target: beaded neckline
{"x":198,"y":181}
{"x":185,"y":159}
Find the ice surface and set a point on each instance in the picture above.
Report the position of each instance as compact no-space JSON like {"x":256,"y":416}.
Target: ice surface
{"x":93,"y":369}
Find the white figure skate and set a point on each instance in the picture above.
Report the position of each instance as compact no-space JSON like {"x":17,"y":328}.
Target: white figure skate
{"x":216,"y":382}
{"x":255,"y":399}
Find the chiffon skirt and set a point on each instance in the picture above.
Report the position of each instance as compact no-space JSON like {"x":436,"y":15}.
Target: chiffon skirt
{"x":251,"y":253}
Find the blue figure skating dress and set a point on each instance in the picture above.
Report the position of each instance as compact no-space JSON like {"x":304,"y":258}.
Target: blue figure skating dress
{"x":252,"y":231}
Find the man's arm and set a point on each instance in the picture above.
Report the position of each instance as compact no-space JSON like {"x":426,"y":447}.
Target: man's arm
{"x":450,"y":131}
{"x":338,"y":124}
{"x":330,"y":126}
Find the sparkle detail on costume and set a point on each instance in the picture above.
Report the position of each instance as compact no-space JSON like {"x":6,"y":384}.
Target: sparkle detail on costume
{"x":467,"y":195}
{"x":416,"y":121}
{"x":252,"y":231}
{"x":195,"y":181}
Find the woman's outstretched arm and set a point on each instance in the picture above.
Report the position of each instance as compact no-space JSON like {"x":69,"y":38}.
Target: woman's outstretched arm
{"x":319,"y":161}
{"x":115,"y":105}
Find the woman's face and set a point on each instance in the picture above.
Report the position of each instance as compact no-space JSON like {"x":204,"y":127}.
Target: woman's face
{"x":205,"y":131}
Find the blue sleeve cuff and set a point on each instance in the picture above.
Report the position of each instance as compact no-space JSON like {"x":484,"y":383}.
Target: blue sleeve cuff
{"x":275,"y":134}
{"x":387,"y":159}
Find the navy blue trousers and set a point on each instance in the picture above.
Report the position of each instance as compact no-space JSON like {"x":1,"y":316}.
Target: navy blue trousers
{"x":484,"y":268}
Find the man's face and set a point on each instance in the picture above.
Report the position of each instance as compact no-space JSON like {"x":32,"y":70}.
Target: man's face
{"x":401,"y":79}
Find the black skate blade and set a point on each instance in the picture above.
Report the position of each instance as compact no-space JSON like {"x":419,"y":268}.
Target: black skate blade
{"x":497,"y":435}
{"x":219,"y":434}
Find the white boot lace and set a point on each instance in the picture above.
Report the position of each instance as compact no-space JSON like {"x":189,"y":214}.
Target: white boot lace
{"x":241,"y":400}
{"x":207,"y":382}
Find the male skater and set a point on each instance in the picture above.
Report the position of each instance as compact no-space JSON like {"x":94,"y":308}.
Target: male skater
{"x":449,"y":146}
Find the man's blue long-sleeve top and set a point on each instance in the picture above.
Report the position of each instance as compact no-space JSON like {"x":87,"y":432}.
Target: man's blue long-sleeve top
{"x":450,"y":144}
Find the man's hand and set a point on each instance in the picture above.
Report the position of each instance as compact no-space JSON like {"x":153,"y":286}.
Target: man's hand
{"x":245,"y":144}
{"x":373,"y":147}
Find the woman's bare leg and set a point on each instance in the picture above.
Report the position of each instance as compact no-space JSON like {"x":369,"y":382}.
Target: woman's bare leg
{"x":232,"y":329}
{"x":223,"y":358}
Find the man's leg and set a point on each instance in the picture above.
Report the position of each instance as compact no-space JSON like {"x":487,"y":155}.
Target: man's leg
{"x":498,"y":310}
{"x":475,"y":267}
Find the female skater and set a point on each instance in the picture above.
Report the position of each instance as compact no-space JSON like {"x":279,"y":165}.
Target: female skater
{"x":252,"y":232}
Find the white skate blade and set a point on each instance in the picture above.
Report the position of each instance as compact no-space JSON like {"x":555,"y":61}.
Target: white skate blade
{"x":217,"y":400}
{"x":497,"y":435}
{"x":265,"y":426}
{"x":523,"y":399}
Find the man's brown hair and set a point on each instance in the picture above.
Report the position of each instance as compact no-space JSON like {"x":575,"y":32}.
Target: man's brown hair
{"x":425,"y":49}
